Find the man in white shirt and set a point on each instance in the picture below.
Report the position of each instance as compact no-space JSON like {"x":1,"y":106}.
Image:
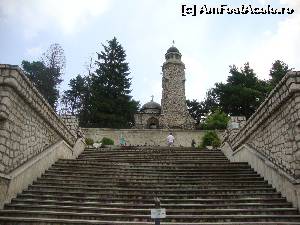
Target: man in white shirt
{"x":170,"y":140}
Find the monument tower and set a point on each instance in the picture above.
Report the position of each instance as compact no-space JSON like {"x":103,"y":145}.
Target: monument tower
{"x":174,"y":113}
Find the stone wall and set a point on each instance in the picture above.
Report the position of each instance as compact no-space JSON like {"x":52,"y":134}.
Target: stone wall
{"x":71,"y":122}
{"x":274,"y":129}
{"x":142,"y":120}
{"x":270,"y":139}
{"x":149,"y":137}
{"x":28,"y":124}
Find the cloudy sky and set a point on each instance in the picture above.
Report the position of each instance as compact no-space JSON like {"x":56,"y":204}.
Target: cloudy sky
{"x":146,"y":28}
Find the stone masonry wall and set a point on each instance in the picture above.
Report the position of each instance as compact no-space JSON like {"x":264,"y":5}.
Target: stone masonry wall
{"x":28,"y":124}
{"x":149,"y":137}
{"x":71,"y":122}
{"x":141,"y":119}
{"x":274,"y":129}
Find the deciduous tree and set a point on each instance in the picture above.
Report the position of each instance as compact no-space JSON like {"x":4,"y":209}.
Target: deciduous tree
{"x":46,"y":73}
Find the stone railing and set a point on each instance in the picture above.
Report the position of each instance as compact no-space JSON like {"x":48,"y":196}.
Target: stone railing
{"x":71,"y":122}
{"x":274,"y":129}
{"x":28,"y":124}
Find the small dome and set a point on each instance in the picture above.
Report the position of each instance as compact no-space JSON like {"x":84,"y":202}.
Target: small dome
{"x":173,"y":49}
{"x":151,"y":105}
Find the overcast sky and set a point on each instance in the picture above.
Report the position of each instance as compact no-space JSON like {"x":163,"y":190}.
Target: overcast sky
{"x":146,"y":28}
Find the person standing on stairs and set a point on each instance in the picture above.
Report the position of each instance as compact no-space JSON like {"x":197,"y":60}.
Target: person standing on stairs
{"x":170,"y":139}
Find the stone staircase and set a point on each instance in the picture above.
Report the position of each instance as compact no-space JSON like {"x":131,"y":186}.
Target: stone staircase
{"x":118,"y":186}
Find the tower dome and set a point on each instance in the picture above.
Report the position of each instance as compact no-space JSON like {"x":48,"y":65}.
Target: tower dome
{"x":173,"y":54}
{"x":173,"y":49}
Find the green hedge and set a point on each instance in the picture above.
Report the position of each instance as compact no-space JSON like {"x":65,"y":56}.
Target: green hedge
{"x":107,"y":141}
{"x":89,"y":141}
{"x":210,"y":138}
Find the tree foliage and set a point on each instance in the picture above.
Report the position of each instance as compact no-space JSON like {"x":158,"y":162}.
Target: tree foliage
{"x":210,"y":138}
{"x":54,"y":58}
{"x":109,"y":103}
{"x":216,"y":120}
{"x":196,"y":110}
{"x":73,"y":99}
{"x":40,"y":76}
{"x":242,"y":93}
{"x":199,"y":110}
{"x":46,"y":73}
{"x":277,"y":72}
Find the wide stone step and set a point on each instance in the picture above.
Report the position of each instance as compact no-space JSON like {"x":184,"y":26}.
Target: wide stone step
{"x":127,"y":204}
{"x":150,"y":173}
{"x":165,"y":165}
{"x":47,"y":221}
{"x":154,"y":179}
{"x":159,"y":161}
{"x":156,"y":175}
{"x":153,"y":184}
{"x":150,"y":195}
{"x":129,"y":167}
{"x":152,"y":165}
{"x":141,"y":211}
{"x":150,"y":170}
{"x":152,"y":150}
{"x":204,"y":199}
{"x":124,"y":183}
{"x":153,"y":155}
{"x":137,"y":191}
{"x":155,"y":158}
{"x":146,"y":218}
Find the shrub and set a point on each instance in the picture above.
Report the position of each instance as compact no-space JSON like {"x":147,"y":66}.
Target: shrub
{"x":107,"y":141}
{"x":89,"y":141}
{"x":216,"y":120}
{"x":210,"y":138}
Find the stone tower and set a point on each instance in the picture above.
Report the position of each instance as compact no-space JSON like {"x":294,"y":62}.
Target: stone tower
{"x":174,"y":113}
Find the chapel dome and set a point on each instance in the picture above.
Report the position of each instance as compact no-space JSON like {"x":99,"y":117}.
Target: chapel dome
{"x":151,"y":107}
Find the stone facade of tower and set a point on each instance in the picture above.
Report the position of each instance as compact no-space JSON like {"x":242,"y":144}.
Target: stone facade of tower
{"x":174,"y":113}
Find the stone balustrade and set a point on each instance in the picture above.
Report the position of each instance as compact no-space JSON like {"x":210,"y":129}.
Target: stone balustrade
{"x":28,"y":124}
{"x":274,"y":129}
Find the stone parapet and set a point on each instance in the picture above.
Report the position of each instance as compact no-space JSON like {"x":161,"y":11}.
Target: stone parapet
{"x":28,"y":124}
{"x":72,"y":123}
{"x":274,"y":129}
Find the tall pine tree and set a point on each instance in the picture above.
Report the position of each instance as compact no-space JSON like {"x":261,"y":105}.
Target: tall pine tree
{"x":110,"y":104}
{"x":73,"y":99}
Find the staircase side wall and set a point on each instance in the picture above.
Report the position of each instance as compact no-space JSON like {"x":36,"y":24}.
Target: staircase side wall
{"x":270,"y":139}
{"x":29,"y":127}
